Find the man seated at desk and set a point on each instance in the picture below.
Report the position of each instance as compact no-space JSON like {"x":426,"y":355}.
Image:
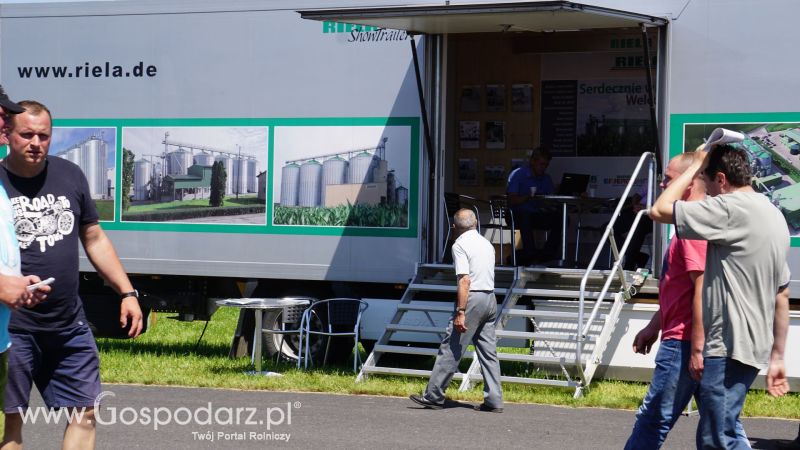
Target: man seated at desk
{"x":529,"y":214}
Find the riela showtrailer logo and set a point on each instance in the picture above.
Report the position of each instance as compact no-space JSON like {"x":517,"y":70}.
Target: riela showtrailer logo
{"x":363,"y":33}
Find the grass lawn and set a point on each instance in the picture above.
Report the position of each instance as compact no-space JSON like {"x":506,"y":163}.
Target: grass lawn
{"x":250,"y":199}
{"x":167,"y":355}
{"x":105,"y":209}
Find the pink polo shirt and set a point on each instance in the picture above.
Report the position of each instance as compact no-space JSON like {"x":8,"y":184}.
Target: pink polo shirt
{"x":676,"y":288}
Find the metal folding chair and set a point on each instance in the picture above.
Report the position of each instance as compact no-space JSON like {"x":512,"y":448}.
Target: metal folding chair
{"x":452,"y":203}
{"x":502,"y":219}
{"x":334,"y":317}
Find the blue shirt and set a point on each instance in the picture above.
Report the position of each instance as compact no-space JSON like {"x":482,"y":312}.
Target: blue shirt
{"x":9,"y":260}
{"x":521,"y":180}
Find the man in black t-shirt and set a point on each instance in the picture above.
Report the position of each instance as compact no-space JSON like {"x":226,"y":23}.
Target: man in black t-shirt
{"x":52,"y":344}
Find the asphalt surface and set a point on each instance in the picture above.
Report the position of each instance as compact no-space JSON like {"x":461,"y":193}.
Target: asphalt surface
{"x":324,"y":421}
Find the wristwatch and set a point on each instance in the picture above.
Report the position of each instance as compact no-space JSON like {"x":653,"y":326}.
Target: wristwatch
{"x":133,"y":293}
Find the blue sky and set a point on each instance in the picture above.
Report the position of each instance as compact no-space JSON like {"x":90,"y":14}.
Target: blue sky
{"x":66,"y":137}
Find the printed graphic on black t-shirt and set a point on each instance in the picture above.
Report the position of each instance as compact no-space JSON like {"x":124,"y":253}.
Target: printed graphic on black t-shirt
{"x":49,"y":210}
{"x":42,"y":220}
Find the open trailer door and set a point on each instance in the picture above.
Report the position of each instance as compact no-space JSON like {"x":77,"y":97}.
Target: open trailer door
{"x":538,"y":22}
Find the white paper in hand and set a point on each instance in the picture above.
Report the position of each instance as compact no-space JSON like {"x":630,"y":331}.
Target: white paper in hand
{"x":723,"y":136}
{"x":35,"y":286}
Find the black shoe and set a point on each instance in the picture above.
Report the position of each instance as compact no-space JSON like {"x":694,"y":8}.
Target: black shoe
{"x":789,"y":445}
{"x":486,"y":408}
{"x":421,"y":400}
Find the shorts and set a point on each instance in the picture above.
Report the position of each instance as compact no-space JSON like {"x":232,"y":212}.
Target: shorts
{"x":3,"y":375}
{"x":63,"y":364}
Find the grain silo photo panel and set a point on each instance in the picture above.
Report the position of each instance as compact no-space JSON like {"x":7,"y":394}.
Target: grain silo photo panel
{"x":342,"y":176}
{"x":195,"y":174}
{"x":93,"y":149}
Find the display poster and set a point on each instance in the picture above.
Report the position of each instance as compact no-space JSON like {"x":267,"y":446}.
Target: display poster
{"x":469,"y":134}
{"x":194,"y":174}
{"x":342,"y":176}
{"x":495,"y":97}
{"x":471,"y":98}
{"x":495,"y":134}
{"x":774,"y":152}
{"x":93,"y":149}
{"x":597,"y":117}
{"x":613,"y":118}
{"x":522,"y":97}
{"x":494,"y":175}
{"x":559,"y":115}
{"x":468,"y":171}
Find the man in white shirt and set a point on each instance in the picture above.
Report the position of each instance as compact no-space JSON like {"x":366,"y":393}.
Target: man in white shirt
{"x":473,"y":320}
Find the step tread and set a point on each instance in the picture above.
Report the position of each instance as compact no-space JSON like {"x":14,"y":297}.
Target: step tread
{"x":562,"y":293}
{"x":424,"y":351}
{"x":535,"y":335}
{"x":460,"y":376}
{"x":519,"y":357}
{"x":444,"y":288}
{"x":430,"y":308}
{"x":549,"y":314}
{"x":409,"y":372}
{"x":416,"y":328}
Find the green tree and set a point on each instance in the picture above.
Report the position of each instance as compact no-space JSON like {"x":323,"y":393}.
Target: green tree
{"x":127,"y":177}
{"x":218,"y":180}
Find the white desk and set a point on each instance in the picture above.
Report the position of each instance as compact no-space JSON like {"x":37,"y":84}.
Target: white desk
{"x":260,"y":305}
{"x":579,"y":202}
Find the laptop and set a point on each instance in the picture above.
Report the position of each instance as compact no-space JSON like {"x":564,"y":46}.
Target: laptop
{"x":573,"y":184}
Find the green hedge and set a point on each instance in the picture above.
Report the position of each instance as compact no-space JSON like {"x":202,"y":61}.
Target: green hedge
{"x":193,"y":213}
{"x":787,"y":167}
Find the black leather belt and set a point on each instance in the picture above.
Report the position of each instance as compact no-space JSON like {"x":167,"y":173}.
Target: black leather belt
{"x":485,"y":292}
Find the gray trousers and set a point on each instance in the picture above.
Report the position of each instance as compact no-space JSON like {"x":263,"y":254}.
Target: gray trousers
{"x":480,"y":316}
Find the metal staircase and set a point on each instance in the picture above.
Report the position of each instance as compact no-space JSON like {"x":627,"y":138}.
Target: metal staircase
{"x":430,"y":294}
{"x":571,"y":314}
{"x":553,"y":338}
{"x":561,"y":341}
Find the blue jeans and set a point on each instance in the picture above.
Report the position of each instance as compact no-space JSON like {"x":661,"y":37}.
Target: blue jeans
{"x":722,"y":391}
{"x":670,"y":391}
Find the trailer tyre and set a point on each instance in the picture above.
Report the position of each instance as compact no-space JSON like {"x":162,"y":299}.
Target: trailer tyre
{"x":287,"y":345}
{"x":340,"y":350}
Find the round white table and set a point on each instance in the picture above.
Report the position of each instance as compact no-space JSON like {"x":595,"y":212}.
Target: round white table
{"x":260,"y":305}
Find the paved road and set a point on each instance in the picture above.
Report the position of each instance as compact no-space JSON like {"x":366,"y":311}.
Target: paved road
{"x":324,"y":421}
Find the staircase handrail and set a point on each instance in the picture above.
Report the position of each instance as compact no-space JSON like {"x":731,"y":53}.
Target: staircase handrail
{"x":616,"y":269}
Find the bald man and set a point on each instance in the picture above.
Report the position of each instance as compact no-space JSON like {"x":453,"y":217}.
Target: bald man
{"x":473,"y":320}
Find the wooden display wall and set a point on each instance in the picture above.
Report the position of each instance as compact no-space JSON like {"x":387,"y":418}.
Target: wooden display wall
{"x":496,"y":111}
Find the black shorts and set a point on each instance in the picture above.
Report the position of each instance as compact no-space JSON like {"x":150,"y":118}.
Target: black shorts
{"x":64,"y":365}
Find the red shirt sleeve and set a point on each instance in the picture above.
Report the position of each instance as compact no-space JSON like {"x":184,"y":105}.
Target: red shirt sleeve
{"x":694,"y":254}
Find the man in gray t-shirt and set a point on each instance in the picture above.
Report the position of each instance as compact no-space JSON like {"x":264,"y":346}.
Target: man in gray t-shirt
{"x":745,"y":311}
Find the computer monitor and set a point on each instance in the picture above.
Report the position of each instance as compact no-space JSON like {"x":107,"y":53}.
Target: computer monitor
{"x":573,"y":184}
